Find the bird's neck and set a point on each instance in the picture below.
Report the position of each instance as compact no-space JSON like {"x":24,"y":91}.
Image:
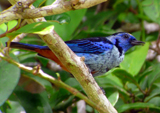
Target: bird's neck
{"x":120,"y":49}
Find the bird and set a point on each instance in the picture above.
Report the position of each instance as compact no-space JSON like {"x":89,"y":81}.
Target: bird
{"x":100,"y":53}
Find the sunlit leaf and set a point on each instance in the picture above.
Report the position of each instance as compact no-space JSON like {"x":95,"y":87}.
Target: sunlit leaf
{"x":45,"y":30}
{"x":12,"y":24}
{"x":37,"y":28}
{"x":134,"y":60}
{"x":113,"y":98}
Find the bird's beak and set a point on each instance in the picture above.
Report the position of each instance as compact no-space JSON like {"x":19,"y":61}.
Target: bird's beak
{"x":136,"y":42}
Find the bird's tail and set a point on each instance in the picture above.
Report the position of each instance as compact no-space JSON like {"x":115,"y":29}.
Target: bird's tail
{"x":29,"y":47}
{"x":41,"y":50}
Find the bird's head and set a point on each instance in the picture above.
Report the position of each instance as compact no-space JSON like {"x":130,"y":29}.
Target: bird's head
{"x":124,"y":40}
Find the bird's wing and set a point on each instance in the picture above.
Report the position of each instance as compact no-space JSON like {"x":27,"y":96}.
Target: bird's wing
{"x":90,"y":45}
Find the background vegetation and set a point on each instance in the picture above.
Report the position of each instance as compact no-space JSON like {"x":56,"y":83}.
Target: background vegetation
{"x":133,"y":87}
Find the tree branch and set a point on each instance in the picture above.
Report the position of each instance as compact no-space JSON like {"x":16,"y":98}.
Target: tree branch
{"x":76,"y":66}
{"x":21,"y":10}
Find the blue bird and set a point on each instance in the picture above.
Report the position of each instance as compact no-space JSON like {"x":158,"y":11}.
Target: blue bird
{"x":101,"y":53}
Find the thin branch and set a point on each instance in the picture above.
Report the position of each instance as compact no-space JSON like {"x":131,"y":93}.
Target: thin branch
{"x":9,"y":31}
{"x":38,"y":72}
{"x":19,"y":37}
{"x":21,"y":10}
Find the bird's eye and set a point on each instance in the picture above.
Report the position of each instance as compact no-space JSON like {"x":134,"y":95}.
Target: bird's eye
{"x":125,"y":36}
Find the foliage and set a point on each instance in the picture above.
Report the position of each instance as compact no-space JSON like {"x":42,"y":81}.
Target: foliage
{"x":132,"y":87}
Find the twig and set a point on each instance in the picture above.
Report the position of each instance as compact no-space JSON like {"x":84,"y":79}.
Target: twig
{"x":11,"y":30}
{"x":38,"y":72}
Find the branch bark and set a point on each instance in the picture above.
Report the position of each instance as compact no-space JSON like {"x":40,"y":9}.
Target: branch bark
{"x":74,"y":64}
{"x":58,"y":7}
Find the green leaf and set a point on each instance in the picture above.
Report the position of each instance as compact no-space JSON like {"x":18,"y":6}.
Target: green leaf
{"x":144,"y":74}
{"x":3,"y":27}
{"x":45,"y":30}
{"x":95,"y":33}
{"x":152,"y":10}
{"x":152,"y":77}
{"x":36,"y":28}
{"x":38,"y":3}
{"x":97,"y":23}
{"x":63,"y":18}
{"x":134,"y":60}
{"x":73,"y":83}
{"x":132,"y":87}
{"x":152,"y":36}
{"x":15,"y":107}
{"x":27,"y":56}
{"x":117,"y":2}
{"x":45,"y":103}
{"x":66,"y":30}
{"x":89,"y":108}
{"x":139,"y":105}
{"x":64,"y":105}
{"x":44,"y":83}
{"x":32,"y":39}
{"x":137,"y":34}
{"x":9,"y":77}
{"x":113,"y":98}
{"x":12,"y":24}
{"x":33,"y":103}
{"x":155,"y":101}
{"x":124,"y":76}
{"x":58,"y":97}
{"x":43,"y":61}
{"x":3,"y":40}
{"x":128,"y":18}
{"x":154,"y":92}
{"x":49,"y":2}
{"x":110,"y":81}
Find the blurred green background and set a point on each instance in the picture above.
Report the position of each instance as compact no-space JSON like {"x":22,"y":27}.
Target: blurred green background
{"x":133,"y":87}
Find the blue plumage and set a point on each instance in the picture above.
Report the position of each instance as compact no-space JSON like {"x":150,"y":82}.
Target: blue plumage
{"x":101,"y":53}
{"x":91,"y":45}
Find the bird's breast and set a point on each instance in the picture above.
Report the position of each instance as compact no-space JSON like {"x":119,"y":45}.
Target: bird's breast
{"x":101,"y":63}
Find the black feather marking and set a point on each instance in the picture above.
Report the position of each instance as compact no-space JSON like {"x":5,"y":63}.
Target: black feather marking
{"x":119,"y":48}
